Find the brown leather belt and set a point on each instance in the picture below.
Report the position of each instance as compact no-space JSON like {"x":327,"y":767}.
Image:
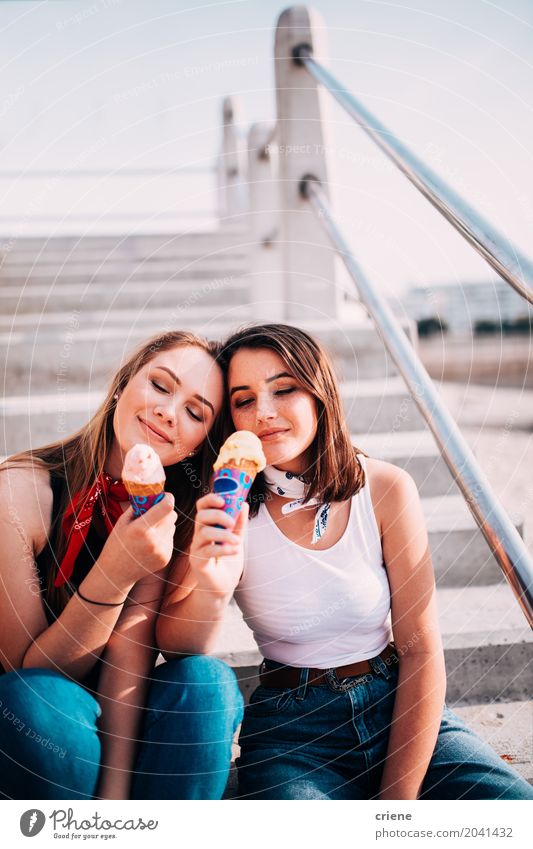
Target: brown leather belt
{"x":289,"y":676}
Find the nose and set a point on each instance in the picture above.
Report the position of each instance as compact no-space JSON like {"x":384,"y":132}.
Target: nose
{"x":167,"y":414}
{"x":265,"y":410}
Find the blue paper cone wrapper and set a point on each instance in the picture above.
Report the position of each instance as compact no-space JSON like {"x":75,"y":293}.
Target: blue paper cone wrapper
{"x":234,"y":485}
{"x":142,"y":503}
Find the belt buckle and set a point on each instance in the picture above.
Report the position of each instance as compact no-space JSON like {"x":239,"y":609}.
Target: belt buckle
{"x":344,"y":684}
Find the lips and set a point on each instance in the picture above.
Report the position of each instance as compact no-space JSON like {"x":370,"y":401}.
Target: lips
{"x":155,"y":431}
{"x":268,"y":435}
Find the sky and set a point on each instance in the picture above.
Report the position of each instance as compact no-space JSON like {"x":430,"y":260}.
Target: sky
{"x":121,"y":83}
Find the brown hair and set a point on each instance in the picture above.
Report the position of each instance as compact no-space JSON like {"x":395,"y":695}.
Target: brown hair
{"x":80,"y":459}
{"x":335,"y":473}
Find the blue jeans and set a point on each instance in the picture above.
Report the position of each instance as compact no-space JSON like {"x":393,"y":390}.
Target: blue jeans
{"x":330,"y":742}
{"x":50,"y":747}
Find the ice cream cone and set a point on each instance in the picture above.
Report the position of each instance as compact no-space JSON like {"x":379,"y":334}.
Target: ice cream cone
{"x":143,"y":489}
{"x":240,"y":459}
{"x":143,"y":496}
{"x":143,"y":477}
{"x":246,"y":466}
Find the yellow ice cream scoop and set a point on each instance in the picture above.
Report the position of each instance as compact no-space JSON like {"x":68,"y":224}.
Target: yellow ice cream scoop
{"x":242,"y":449}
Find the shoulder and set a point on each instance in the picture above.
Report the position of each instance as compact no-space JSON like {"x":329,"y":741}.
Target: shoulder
{"x":391,"y":488}
{"x":26,"y":496}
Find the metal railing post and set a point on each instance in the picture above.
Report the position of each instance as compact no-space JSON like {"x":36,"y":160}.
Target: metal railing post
{"x":308,"y":261}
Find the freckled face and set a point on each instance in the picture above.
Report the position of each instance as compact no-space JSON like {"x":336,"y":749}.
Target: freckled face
{"x":170,"y":404}
{"x":268,"y":400}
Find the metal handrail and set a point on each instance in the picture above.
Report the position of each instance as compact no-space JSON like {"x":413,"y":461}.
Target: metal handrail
{"x":508,"y":262}
{"x":503,"y":538}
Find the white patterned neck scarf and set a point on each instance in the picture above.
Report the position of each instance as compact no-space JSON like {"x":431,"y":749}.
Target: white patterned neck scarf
{"x":291,"y":486}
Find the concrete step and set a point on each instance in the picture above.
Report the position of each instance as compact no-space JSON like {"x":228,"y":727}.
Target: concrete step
{"x":78,"y":264}
{"x":33,"y":346}
{"x":27,"y":250}
{"x":31,"y":302}
{"x":487,"y":645}
{"x":355,"y":347}
{"x":461,"y":557}
{"x":218,"y":264}
{"x":380,"y":406}
{"x":414,"y":451}
{"x":78,"y":354}
{"x":507,"y":727}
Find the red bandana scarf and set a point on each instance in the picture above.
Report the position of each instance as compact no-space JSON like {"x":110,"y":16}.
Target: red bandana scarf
{"x":79,"y":514}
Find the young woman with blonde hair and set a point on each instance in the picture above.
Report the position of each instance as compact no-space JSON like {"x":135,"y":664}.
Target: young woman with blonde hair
{"x":335,"y":579}
{"x":84,"y":713}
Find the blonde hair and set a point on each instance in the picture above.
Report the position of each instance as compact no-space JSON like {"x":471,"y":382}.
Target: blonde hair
{"x":80,"y":458}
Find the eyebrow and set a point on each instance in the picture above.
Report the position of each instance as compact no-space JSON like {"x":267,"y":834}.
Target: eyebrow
{"x":178,"y":381}
{"x":268,"y":380}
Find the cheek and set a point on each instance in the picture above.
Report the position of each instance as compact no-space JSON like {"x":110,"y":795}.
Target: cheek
{"x":305,"y":419}
{"x":134,"y":398}
{"x":239,"y":415}
{"x":123,"y":410}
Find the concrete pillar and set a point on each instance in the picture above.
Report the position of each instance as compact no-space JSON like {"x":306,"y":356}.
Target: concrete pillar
{"x":267,"y":294}
{"x":232,"y":176}
{"x":308,"y":259}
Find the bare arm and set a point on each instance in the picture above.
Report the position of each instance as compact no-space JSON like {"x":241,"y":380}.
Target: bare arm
{"x":74,"y":642}
{"x":422,"y":677}
{"x":128,"y":660}
{"x":191,"y":615}
{"x":201,"y":585}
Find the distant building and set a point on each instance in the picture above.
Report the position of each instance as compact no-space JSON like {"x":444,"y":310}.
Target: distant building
{"x":461,"y":307}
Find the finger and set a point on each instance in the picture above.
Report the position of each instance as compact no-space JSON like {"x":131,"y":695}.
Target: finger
{"x":209,"y":501}
{"x":217,"y":551}
{"x":214,"y":517}
{"x":166,"y":527}
{"x":160,"y":510}
{"x":127,"y":517}
{"x":242,"y":519}
{"x":209,"y":534}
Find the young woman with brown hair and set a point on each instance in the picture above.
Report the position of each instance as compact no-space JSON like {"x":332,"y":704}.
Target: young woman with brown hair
{"x":337,"y":584}
{"x":81,"y":583}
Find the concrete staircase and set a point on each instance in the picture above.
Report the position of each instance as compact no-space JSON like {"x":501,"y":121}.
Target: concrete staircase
{"x":71,"y":308}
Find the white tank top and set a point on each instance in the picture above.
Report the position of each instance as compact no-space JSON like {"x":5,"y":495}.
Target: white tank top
{"x":317,"y":608}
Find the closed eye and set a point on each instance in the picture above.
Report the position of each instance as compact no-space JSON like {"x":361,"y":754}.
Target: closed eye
{"x":285,"y":391}
{"x":159,"y":387}
{"x":243,"y":403}
{"x":194,"y":416}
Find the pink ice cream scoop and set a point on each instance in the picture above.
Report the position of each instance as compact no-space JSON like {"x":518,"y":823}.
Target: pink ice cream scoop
{"x":144,"y":478}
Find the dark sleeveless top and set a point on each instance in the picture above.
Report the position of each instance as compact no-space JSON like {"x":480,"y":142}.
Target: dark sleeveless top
{"x":89,"y":553}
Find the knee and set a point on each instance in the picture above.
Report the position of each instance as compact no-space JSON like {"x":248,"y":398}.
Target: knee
{"x":32,"y":693}
{"x":205,"y":680}
{"x":198,"y":669}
